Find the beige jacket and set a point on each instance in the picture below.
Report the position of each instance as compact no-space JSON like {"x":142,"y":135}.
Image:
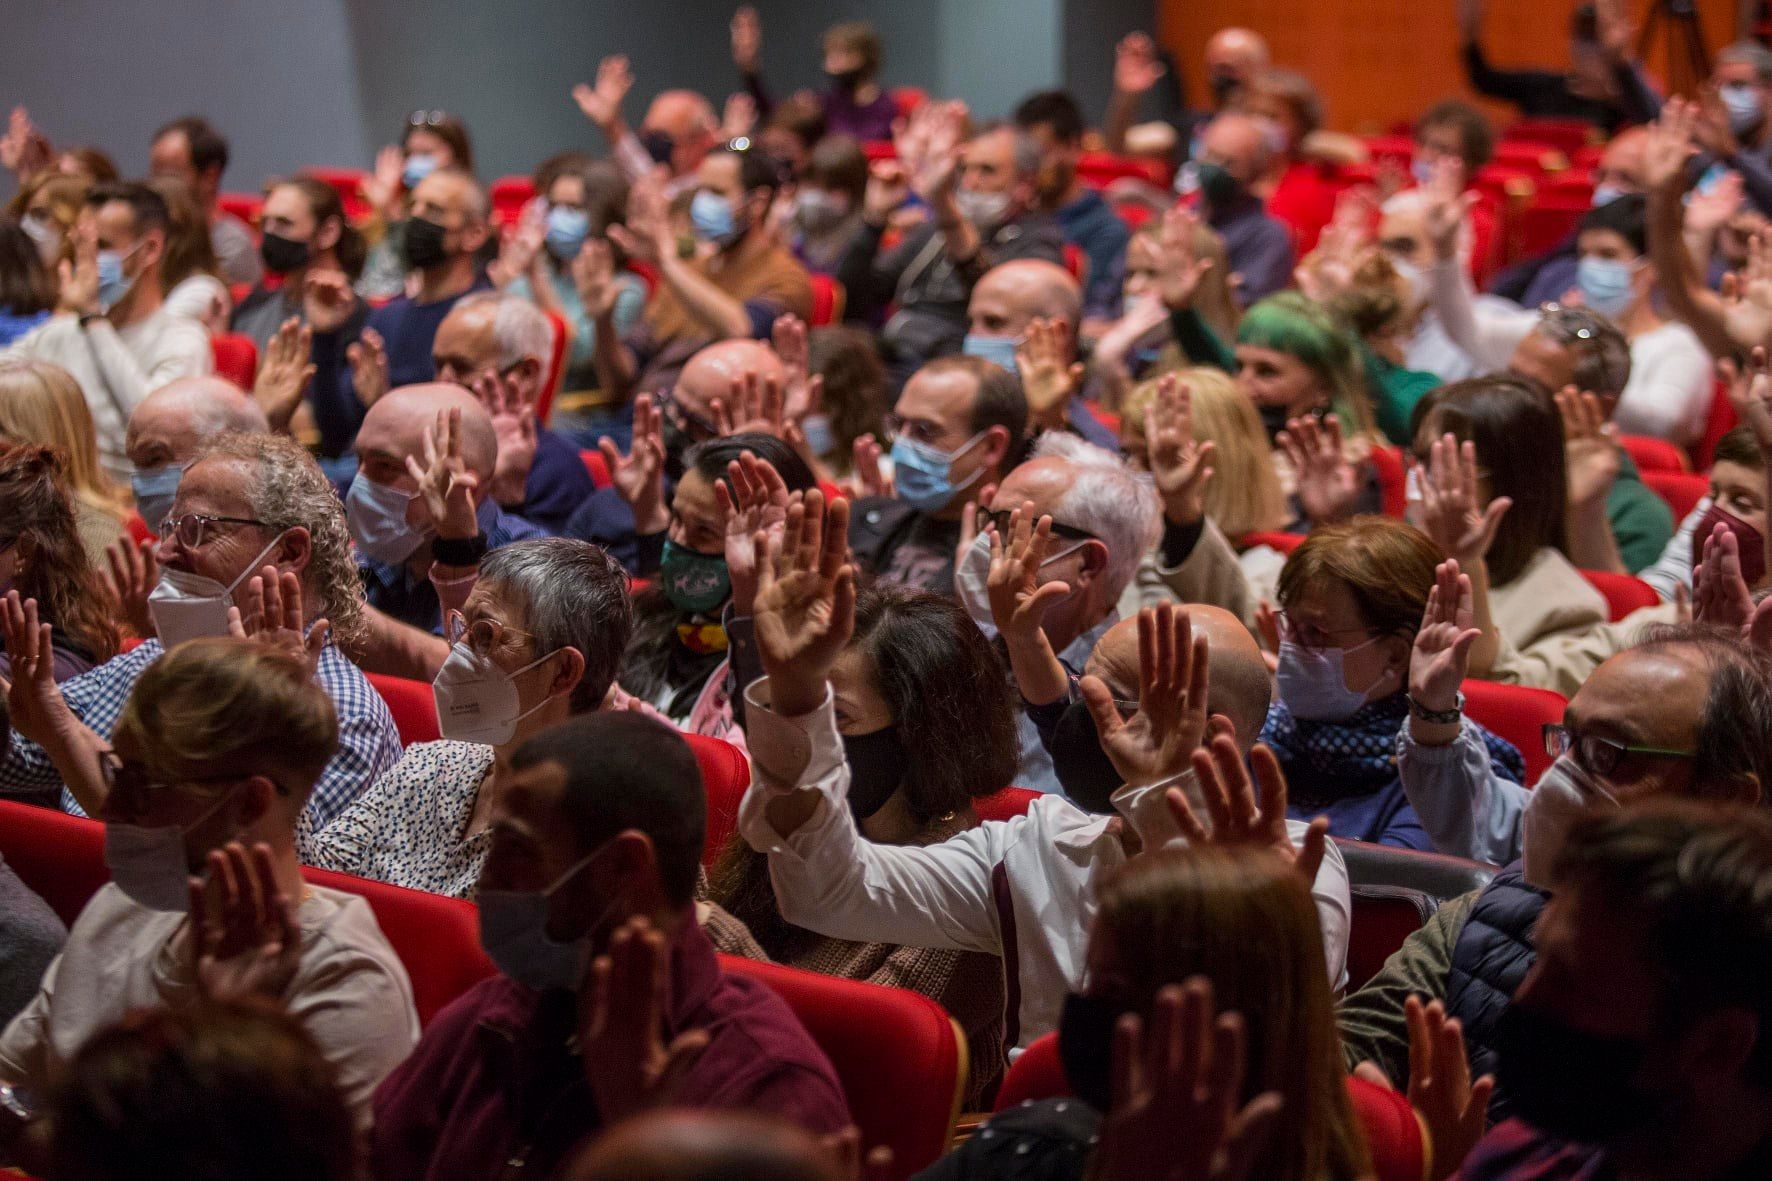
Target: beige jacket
{"x":1211,"y":575}
{"x":1543,"y":617}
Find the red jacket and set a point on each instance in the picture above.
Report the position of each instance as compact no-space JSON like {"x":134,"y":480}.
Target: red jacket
{"x":494,"y":1089}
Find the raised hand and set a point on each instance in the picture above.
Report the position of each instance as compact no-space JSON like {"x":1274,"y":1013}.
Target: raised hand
{"x":78,"y":291}
{"x":1325,"y":481}
{"x":444,"y":482}
{"x":368,"y":358}
{"x":521,"y":250}
{"x":870,"y":475}
{"x":802,"y":391}
{"x":756,"y":502}
{"x":805,"y":608}
{"x":1048,"y":376}
{"x":1441,"y":659}
{"x":1179,"y":266}
{"x":39,"y":712}
{"x":621,"y":1012}
{"x":1237,"y":819}
{"x":1159,"y":741}
{"x":1589,"y":448}
{"x":739,"y":118}
{"x":755,"y":403}
{"x":1453,"y":514}
{"x":1669,"y":145}
{"x":747,"y":39}
{"x":1179,"y":466}
{"x":1720,"y":594}
{"x":327,"y":300}
{"x":24,"y":151}
{"x":601,"y":104}
{"x":1440,"y":1088}
{"x":638,"y":476}
{"x":1137,"y":67}
{"x":284,"y":376}
{"x":132,"y":571}
{"x":1708,"y":212}
{"x":513,"y":421}
{"x":1174,"y":1115}
{"x":382,"y":188}
{"x":1447,"y":208}
{"x":1750,"y":392}
{"x":1019,"y":599}
{"x":941,"y":132}
{"x":647,"y":235}
{"x":245,"y":933}
{"x":1747,"y":295}
{"x":272,"y":614}
{"x":889,"y":187}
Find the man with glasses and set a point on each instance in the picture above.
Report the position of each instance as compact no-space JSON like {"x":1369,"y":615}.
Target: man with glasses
{"x":956,"y":431}
{"x":1687,"y":714}
{"x":246,"y":505}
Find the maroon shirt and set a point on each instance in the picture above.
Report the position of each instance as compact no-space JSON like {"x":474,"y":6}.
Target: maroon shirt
{"x":494,"y":1089}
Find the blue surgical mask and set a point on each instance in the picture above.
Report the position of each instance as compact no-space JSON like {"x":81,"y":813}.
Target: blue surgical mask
{"x":514,"y":935}
{"x":1605,"y":284}
{"x":1606,"y":194}
{"x":999,"y":350}
{"x":1422,"y":169}
{"x":418,"y":166}
{"x":713,"y":219}
{"x":819,"y":436}
{"x":567,"y":230}
{"x":376,"y":514}
{"x":155,"y":490}
{"x":1742,"y":101}
{"x":1314,"y":684}
{"x":113,"y":284}
{"x":924,"y":475}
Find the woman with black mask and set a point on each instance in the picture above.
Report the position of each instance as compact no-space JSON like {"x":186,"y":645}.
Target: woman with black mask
{"x":926,"y":720}
{"x":304,"y":229}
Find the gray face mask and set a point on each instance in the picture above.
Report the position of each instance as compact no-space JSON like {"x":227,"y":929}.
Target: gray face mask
{"x":986,"y":211}
{"x":514,"y":935}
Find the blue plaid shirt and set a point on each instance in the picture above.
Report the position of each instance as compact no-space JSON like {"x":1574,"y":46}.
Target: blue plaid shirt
{"x":368,"y":743}
{"x":393,"y":590}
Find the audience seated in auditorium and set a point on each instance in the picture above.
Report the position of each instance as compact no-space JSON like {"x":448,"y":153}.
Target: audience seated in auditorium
{"x":191,"y":151}
{"x":303,"y":232}
{"x":42,"y":403}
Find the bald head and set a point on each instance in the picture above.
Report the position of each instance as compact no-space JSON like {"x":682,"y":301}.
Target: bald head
{"x":1237,"y":49}
{"x":711,"y":372}
{"x":1239,"y":144}
{"x":688,"y":118}
{"x":1622,"y":164}
{"x":394,"y":429}
{"x":1010,"y":296}
{"x":170,"y":424}
{"x":1239,"y":688}
{"x":703,"y":1146}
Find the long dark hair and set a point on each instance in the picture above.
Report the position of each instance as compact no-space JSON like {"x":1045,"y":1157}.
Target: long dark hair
{"x":1519,"y":438}
{"x":24,"y":282}
{"x":324,"y":205}
{"x":35,"y":503}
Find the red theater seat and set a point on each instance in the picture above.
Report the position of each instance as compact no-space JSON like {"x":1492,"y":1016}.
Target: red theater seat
{"x":1284,"y":542}
{"x":1393,"y":479}
{"x":59,"y":856}
{"x":1517,"y":713}
{"x":1721,"y":420}
{"x":725,"y":774}
{"x":1653,"y":455}
{"x":597,"y":466}
{"x":1681,"y":490}
{"x":544,"y":401}
{"x":1623,"y":592}
{"x":828,"y":300}
{"x":1383,"y":916}
{"x":413,"y":706}
{"x":236,"y":358}
{"x":1006,"y":804}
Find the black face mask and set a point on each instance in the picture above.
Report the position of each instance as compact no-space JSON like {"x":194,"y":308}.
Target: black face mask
{"x":876,"y":768}
{"x":1223,"y":85}
{"x":1572,"y":1084}
{"x":422,"y":244}
{"x":282,"y":255}
{"x":1086,"y":1047}
{"x":1273,"y":420}
{"x":846,"y":81}
{"x":658,"y":145}
{"x":1083,"y":768}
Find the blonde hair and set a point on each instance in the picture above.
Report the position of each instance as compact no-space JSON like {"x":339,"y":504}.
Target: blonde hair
{"x":1244,"y":494}
{"x":1213,"y":300}
{"x":42,"y":403}
{"x":219,"y":707}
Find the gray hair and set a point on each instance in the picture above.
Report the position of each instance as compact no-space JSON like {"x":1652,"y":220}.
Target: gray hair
{"x":1750,"y":53}
{"x":519,"y":328}
{"x":1602,"y":354}
{"x":1110,"y":501}
{"x":290,"y":491}
{"x":1024,"y":150}
{"x":571,"y":594}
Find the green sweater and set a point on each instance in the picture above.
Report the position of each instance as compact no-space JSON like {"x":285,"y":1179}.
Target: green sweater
{"x":1395,"y":391}
{"x":1641,"y":521}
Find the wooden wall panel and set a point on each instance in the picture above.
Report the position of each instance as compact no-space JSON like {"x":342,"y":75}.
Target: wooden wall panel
{"x":1380,"y":61}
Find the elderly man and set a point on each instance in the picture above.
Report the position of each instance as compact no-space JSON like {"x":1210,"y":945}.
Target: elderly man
{"x":1024,"y":316}
{"x":192,"y":151}
{"x":450,"y":222}
{"x":1233,"y":157}
{"x":111,"y":329}
{"x":1687,"y":714}
{"x":714,"y":373}
{"x":1105,"y":520}
{"x":982,"y":196}
{"x":391,"y":521}
{"x":498,"y":346}
{"x":959,"y":426}
{"x":679,"y":129}
{"x":246,"y":503}
{"x":596,"y":847}
{"x":1022,"y":889}
{"x":169,"y":427}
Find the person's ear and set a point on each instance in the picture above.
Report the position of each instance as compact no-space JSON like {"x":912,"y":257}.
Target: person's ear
{"x":327,"y":235}
{"x":473,"y":235}
{"x":253,"y":801}
{"x":1094,"y":557}
{"x":995,"y":447}
{"x":1744,"y":788}
{"x":568,"y":672}
{"x":295,"y":549}
{"x":27,"y":549}
{"x":153,"y":249}
{"x":528,"y":375}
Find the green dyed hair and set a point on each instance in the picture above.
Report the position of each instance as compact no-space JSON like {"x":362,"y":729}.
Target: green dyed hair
{"x":1291,"y":324}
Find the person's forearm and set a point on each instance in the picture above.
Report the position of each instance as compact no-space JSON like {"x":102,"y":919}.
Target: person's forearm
{"x":1196,"y":338}
{"x":1038,"y":672}
{"x":721,"y":314}
{"x":958,"y":236}
{"x":394,"y":649}
{"x":610,"y":357}
{"x":1688,"y":299}
{"x":1122,"y":108}
{"x":1588,"y":534}
{"x":76,"y":753}
{"x":1483,"y":652}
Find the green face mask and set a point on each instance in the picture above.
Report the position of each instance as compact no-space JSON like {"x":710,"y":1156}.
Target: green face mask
{"x":694,"y":582}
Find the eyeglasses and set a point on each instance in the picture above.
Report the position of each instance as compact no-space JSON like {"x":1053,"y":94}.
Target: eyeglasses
{"x":1312,"y":638}
{"x":1000,"y":518}
{"x":128,"y":784}
{"x":483,"y":636}
{"x":428,"y":119}
{"x":1600,"y":756}
{"x":192,"y":529}
{"x":667,"y":403}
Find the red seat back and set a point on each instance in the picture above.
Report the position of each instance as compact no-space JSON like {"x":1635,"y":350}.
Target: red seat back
{"x":1623,"y":592}
{"x":1653,"y":455}
{"x":828,"y":300}
{"x":413,"y":706}
{"x":1681,"y":490}
{"x":59,"y":856}
{"x":1569,"y":136}
{"x":1006,"y":804}
{"x":137,"y":528}
{"x":597,"y":466}
{"x":236,"y":358}
{"x":900,"y":1057}
{"x":1517,"y":713}
{"x":908,"y":99}
{"x":725,"y":774}
{"x":1100,"y":169}
{"x":544,"y":401}
{"x":1394,"y":1136}
{"x":348,"y":182}
{"x":1387,"y":464}
{"x":248,"y":207}
{"x":509,"y":194}
{"x":1383,"y":916}
{"x":1284,"y":542}
{"x":1719,"y":422}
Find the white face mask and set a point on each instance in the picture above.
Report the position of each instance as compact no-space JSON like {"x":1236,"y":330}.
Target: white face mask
{"x":1314,"y":684}
{"x":972,"y":580}
{"x":477,"y":701}
{"x":1414,"y":503}
{"x":1565,"y":793}
{"x":188,"y":606}
{"x":149,"y":865}
{"x":1146,"y":810}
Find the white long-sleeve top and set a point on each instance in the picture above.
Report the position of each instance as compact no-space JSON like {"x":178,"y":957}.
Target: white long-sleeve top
{"x":1024,"y":889}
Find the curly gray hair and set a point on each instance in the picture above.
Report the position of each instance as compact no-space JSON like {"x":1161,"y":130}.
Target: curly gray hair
{"x":291,"y":491}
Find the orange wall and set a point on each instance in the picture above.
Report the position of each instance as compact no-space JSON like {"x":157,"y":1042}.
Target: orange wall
{"x":1380,"y":61}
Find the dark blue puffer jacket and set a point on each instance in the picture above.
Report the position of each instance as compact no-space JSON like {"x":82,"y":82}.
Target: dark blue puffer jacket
{"x":1490,"y":960}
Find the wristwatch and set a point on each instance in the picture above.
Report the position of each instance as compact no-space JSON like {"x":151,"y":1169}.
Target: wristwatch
{"x":1436,"y":717}
{"x":459,"y":551}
